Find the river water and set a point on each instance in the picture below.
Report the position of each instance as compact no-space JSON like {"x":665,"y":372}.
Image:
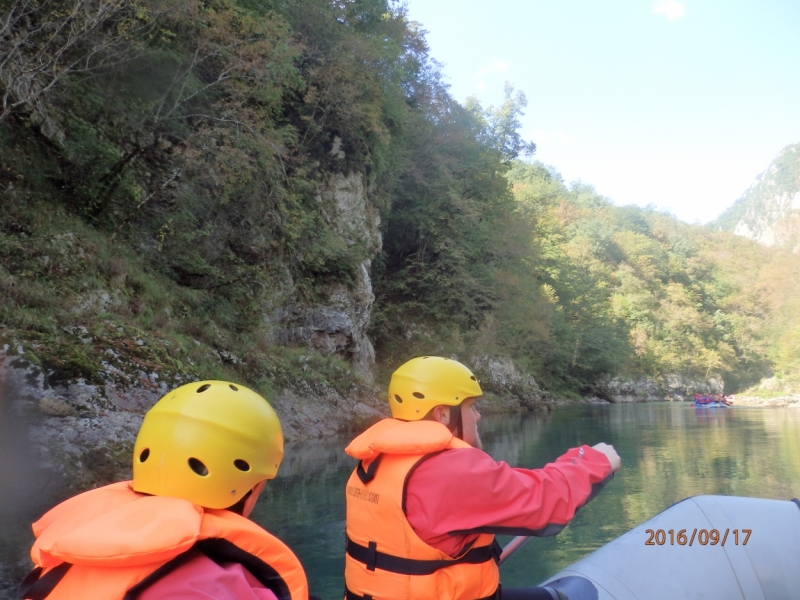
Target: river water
{"x":669,"y":452}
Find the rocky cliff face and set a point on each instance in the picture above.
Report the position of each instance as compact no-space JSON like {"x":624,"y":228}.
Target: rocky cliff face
{"x":78,"y":435}
{"x":505,"y":389}
{"x":336,"y":324}
{"x":769,"y":211}
{"x":82,"y":433}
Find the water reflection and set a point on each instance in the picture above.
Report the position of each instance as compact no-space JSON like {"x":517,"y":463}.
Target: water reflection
{"x":304,"y":506}
{"x":23,"y":494}
{"x":669,"y":452}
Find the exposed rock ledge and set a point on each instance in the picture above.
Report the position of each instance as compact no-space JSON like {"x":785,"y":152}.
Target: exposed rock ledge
{"x":670,"y":388}
{"x":82,"y":434}
{"x":505,"y":389}
{"x":776,"y":393}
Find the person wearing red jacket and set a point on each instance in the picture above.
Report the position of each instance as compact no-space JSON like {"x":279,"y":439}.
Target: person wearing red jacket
{"x":179,"y":529}
{"x":425,"y":501}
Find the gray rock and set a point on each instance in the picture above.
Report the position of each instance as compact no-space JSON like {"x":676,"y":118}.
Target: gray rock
{"x":309,"y":412}
{"x":79,"y":435}
{"x":337,"y":323}
{"x":505,"y":388}
{"x":672,"y":388}
{"x":96,"y":301}
{"x":56,"y":406}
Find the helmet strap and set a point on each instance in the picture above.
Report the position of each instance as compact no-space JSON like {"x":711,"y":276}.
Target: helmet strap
{"x":456,"y":424}
{"x":238,"y":508}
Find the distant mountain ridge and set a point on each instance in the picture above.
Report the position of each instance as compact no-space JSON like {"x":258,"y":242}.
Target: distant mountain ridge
{"x":769,"y":211}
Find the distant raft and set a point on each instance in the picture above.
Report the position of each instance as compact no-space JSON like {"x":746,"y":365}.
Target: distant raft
{"x":673,"y":555}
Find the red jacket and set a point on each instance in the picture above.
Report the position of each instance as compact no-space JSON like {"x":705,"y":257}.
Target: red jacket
{"x":453,"y":496}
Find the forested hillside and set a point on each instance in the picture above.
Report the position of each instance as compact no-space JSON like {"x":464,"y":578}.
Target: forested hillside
{"x":283,"y":193}
{"x":635,"y":291}
{"x":223,"y":188}
{"x":580,"y":291}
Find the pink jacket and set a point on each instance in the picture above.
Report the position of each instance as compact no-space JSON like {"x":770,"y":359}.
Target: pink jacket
{"x":453,"y":496}
{"x":203,"y":579}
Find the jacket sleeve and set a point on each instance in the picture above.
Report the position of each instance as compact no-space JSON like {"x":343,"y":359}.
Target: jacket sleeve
{"x":464,"y":491}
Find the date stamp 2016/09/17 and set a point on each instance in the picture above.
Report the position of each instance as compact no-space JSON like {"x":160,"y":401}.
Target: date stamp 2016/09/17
{"x":704,"y":537}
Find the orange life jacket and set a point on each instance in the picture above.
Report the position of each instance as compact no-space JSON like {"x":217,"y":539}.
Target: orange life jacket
{"x":386,"y":559}
{"x":111,"y":543}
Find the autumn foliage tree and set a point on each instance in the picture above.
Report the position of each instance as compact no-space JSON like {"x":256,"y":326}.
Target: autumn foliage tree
{"x":200,"y":133}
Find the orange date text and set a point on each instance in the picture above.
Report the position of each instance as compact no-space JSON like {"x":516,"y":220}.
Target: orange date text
{"x":703,"y":537}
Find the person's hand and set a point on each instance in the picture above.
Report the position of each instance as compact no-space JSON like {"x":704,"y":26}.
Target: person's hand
{"x":611,"y":455}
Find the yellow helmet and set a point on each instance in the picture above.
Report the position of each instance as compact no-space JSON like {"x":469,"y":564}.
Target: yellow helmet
{"x":208,"y":442}
{"x":428,"y":381}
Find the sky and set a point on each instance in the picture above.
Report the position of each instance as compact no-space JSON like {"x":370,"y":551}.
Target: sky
{"x":676,"y":104}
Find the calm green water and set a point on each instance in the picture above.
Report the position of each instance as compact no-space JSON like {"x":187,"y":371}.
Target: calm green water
{"x":669,"y":452}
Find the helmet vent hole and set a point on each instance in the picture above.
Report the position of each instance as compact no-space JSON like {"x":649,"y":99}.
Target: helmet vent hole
{"x":233,"y":387}
{"x":418,"y":395}
{"x":198,"y":467}
{"x":398,"y":399}
{"x":144,"y":455}
{"x":473,"y":378}
{"x":242,"y":465}
{"x":203,"y":388}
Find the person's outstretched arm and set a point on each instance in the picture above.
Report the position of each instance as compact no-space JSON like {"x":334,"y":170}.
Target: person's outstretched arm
{"x":464,"y":492}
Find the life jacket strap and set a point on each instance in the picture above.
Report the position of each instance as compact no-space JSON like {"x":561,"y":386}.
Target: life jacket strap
{"x":374,"y":559}
{"x":369,"y":474}
{"x":222,"y":551}
{"x":38,"y":587}
{"x":349,"y":595}
{"x":160,"y":573}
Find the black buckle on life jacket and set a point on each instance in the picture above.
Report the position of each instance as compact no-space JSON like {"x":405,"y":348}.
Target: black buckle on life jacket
{"x":369,"y":474}
{"x":374,"y":559}
{"x":496,"y":596}
{"x":372,"y":555}
{"x":497,"y":551}
{"x":348,"y":595}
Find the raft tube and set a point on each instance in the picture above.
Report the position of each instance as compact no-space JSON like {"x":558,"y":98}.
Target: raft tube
{"x":767,"y":567}
{"x":711,"y":405}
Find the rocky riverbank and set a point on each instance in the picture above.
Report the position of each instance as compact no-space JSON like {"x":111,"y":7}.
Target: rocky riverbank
{"x":788,"y":401}
{"x":77,"y":435}
{"x":62,"y":436}
{"x":771,"y":393}
{"x":669,"y":388}
{"x":82,"y":433}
